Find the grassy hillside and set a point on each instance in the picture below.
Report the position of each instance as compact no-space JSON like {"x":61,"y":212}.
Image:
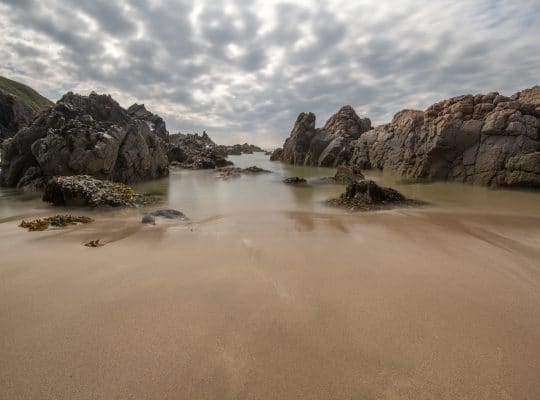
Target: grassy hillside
{"x":27,"y":95}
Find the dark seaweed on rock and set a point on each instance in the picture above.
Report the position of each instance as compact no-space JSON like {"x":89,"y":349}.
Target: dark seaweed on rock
{"x":59,"y":220}
{"x":365,"y":195}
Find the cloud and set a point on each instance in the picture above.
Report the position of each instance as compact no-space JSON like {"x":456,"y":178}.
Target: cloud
{"x":244,"y":70}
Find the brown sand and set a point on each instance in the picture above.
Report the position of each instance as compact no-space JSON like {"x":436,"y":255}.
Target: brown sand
{"x":407,"y":304}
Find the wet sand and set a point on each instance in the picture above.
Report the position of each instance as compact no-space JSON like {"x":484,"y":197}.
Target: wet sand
{"x":431,"y":303}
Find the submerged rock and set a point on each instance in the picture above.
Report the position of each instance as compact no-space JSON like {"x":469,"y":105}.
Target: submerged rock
{"x":295,"y":180}
{"x":43,"y":224}
{"x":85,"y":135}
{"x":167,"y":213}
{"x":85,"y":190}
{"x":234,"y":172}
{"x":94,"y":243}
{"x":367,"y":195}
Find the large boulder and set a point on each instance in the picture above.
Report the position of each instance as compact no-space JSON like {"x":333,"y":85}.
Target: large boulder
{"x":86,"y":191}
{"x":194,"y":151}
{"x":483,"y":139}
{"x":84,"y":135}
{"x":327,"y":146}
{"x":14,"y":114}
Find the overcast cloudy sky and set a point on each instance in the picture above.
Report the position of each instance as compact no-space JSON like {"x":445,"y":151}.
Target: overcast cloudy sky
{"x":243,"y":70}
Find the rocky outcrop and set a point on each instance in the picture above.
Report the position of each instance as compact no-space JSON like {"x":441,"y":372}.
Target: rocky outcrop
{"x":327,"y":146}
{"x":277,"y":154}
{"x":156,"y":124}
{"x":364,"y":195}
{"x":90,"y":135}
{"x":346,"y":174}
{"x":85,"y":190}
{"x":14,"y":114}
{"x":167,"y":213}
{"x":483,"y":139}
{"x":238,"y":149}
{"x":194,"y":151}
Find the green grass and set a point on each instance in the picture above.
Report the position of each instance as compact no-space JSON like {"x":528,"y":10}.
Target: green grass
{"x":26,"y":94}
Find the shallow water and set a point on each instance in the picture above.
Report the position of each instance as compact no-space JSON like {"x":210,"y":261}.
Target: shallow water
{"x":201,"y":195}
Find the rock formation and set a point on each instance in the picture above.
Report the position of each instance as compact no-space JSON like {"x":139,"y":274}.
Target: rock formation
{"x":238,"y":149}
{"x":365,"y":195}
{"x":14,"y":114}
{"x":155,"y":122}
{"x":484,"y":139}
{"x":194,"y":151}
{"x":90,"y":135}
{"x":327,"y":146}
{"x":85,"y":190}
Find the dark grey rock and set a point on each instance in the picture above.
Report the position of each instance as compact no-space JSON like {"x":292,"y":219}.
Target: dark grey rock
{"x":295,"y":180}
{"x":84,"y":135}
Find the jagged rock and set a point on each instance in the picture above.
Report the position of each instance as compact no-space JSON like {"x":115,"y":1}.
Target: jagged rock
{"x":156,"y":124}
{"x":194,"y":151}
{"x":367,"y":195}
{"x":238,"y":149}
{"x":14,"y":114}
{"x":295,"y":180}
{"x":277,"y":154}
{"x":346,"y":174}
{"x":327,"y":146}
{"x":483,"y":139}
{"x":90,"y":135}
{"x":85,"y":190}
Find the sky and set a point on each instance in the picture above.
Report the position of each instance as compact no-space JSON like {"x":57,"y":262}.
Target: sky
{"x":243,"y":70}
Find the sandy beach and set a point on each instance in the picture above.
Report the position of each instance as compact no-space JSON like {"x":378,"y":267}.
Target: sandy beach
{"x":405,"y":304}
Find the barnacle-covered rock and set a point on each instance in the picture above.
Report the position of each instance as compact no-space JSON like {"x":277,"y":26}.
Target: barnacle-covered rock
{"x":85,"y":190}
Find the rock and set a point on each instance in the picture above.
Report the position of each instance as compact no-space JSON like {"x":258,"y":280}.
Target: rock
{"x":193,"y":151}
{"x":156,"y":124}
{"x":167,"y":213}
{"x":148,"y":219}
{"x":367,"y":195}
{"x":347,"y":174}
{"x":295,"y":180}
{"x":238,"y":149}
{"x":234,"y":172}
{"x":327,"y":146}
{"x":277,"y":154}
{"x":14,"y":115}
{"x":489,"y":140}
{"x":85,"y":190}
{"x":94,"y":243}
{"x":56,"y":221}
{"x":84,"y":135}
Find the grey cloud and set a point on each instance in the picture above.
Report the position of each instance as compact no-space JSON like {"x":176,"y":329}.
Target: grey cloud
{"x":243,"y":70}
